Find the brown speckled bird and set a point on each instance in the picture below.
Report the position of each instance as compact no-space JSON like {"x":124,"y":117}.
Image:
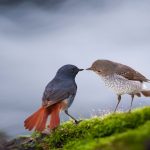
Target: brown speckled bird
{"x":121,"y":79}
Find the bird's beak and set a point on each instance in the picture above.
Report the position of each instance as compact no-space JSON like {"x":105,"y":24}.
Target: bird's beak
{"x":89,"y":68}
{"x":81,"y":69}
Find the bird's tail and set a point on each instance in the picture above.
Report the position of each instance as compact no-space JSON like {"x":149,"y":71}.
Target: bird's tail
{"x":55,"y":120}
{"x":146,"y":93}
{"x":38,"y":119}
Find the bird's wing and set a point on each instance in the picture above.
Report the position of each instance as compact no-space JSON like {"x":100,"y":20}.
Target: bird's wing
{"x":55,"y":92}
{"x":130,"y":73}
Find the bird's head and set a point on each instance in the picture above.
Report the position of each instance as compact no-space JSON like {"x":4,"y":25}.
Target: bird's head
{"x":68,"y":71}
{"x":102,"y":67}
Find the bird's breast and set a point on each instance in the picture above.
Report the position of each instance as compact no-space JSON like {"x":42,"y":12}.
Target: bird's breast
{"x":121,"y":85}
{"x":64,"y":104}
{"x":67,"y":102}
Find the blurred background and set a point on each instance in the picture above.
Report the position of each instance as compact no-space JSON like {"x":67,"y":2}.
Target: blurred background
{"x":37,"y":37}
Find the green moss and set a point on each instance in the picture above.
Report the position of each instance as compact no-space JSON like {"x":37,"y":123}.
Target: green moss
{"x":99,"y":132}
{"x":132,"y":140}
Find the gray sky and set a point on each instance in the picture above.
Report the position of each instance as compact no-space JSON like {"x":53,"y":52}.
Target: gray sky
{"x":35,"y":42}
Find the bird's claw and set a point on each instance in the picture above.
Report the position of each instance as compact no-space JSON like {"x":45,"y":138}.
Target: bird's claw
{"x":77,"y":121}
{"x":129,"y":111}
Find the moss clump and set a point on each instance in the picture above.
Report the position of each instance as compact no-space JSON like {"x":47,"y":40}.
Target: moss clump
{"x":136,"y":139}
{"x":98,"y":133}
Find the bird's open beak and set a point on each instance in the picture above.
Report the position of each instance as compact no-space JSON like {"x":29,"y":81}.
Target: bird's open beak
{"x":81,"y":69}
{"x":89,"y":69}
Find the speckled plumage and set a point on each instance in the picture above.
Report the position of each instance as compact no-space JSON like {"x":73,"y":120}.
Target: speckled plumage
{"x":121,"y":85}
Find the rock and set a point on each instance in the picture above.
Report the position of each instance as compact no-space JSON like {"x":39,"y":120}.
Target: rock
{"x":21,"y":143}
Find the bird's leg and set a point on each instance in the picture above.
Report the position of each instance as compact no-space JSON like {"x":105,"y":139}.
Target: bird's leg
{"x":132,"y":96}
{"x":66,"y":112}
{"x":119,"y":99}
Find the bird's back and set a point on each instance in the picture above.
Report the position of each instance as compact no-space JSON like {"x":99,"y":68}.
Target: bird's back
{"x":129,"y":73}
{"x":59,"y":89}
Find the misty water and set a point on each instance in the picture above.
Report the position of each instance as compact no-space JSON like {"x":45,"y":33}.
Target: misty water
{"x":36,"y":40}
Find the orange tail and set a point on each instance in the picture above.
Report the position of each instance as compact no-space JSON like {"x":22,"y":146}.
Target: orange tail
{"x":55,"y":120}
{"x":39,"y":118}
{"x":146,"y":93}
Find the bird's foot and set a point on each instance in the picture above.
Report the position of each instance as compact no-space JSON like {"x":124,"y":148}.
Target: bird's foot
{"x":129,"y":111}
{"x":114,"y":112}
{"x":77,"y":122}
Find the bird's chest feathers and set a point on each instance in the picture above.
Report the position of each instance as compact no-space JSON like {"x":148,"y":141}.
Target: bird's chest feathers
{"x":67,"y":102}
{"x":122,"y":85}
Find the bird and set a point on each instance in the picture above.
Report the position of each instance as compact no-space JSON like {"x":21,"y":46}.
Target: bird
{"x":122,"y":79}
{"x":58,"y":96}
